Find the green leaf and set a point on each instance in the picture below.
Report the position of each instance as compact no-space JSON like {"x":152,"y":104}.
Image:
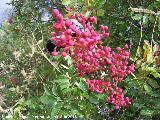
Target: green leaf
{"x":75,"y":112}
{"x":31,"y":104}
{"x":54,"y":90}
{"x":150,"y":58}
{"x":99,"y":3}
{"x":86,"y":95}
{"x":55,"y":110}
{"x":47,"y":90}
{"x":82,"y":86}
{"x":101,"y":96}
{"x":139,"y":52}
{"x":148,"y":55}
{"x":64,"y":86}
{"x":138,"y":105}
{"x":66,"y":2}
{"x":137,"y":17}
{"x":93,"y":99}
{"x":148,"y":89}
{"x":138,"y":63}
{"x":151,"y":70}
{"x":145,"y":20}
{"x":88,"y":13}
{"x":63,"y":83}
{"x":100,"y":12}
{"x":152,"y":18}
{"x":146,"y":112}
{"x":67,"y":90}
{"x":68,"y":59}
{"x":62,"y":80}
{"x":153,"y":83}
{"x":45,"y":99}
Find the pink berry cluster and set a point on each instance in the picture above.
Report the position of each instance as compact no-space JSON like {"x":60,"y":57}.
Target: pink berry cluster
{"x":119,"y":64}
{"x":117,"y":98}
{"x":78,"y":39}
{"x":99,"y":85}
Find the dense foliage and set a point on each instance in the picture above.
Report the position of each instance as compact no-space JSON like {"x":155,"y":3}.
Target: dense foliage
{"x":86,"y":73}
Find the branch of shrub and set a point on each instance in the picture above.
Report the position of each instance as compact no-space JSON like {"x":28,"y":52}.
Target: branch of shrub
{"x":146,"y":11}
{"x":43,"y":54}
{"x":141,"y":10}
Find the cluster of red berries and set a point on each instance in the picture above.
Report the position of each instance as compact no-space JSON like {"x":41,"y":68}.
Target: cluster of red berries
{"x":99,"y":85}
{"x":117,"y":98}
{"x":77,"y":38}
{"x":119,"y":64}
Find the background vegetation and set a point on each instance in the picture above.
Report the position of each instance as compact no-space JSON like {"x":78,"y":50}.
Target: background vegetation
{"x":32,"y":86}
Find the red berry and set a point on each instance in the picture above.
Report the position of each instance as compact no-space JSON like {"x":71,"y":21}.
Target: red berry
{"x":67,"y":9}
{"x":59,"y":17}
{"x":126,"y":46}
{"x":55,"y":12}
{"x":64,"y":54}
{"x":68,"y":23}
{"x":92,"y":19}
{"x":54,"y":53}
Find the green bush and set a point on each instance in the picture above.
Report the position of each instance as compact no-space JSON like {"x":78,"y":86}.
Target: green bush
{"x":33,"y":83}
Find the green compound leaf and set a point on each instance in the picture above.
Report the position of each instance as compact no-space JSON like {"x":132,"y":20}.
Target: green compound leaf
{"x":100,"y":12}
{"x":93,"y":99}
{"x":82,"y":86}
{"x":148,"y":89}
{"x":146,"y":112}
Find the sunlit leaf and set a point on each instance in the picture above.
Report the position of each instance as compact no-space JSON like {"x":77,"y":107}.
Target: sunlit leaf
{"x":55,"y":110}
{"x":139,"y":52}
{"x":148,"y":89}
{"x":146,"y":112}
{"x":153,"y":83}
{"x":93,"y":99}
{"x":148,"y":55}
{"x":82,"y":86}
{"x":137,"y":17}
{"x":66,"y":2}
{"x":145,"y":19}
{"x":100,"y":12}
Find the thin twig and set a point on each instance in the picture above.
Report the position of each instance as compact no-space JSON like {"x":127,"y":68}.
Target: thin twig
{"x":140,"y":10}
{"x":134,"y":76}
{"x":44,"y":55}
{"x":152,"y":39}
{"x":140,"y":37}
